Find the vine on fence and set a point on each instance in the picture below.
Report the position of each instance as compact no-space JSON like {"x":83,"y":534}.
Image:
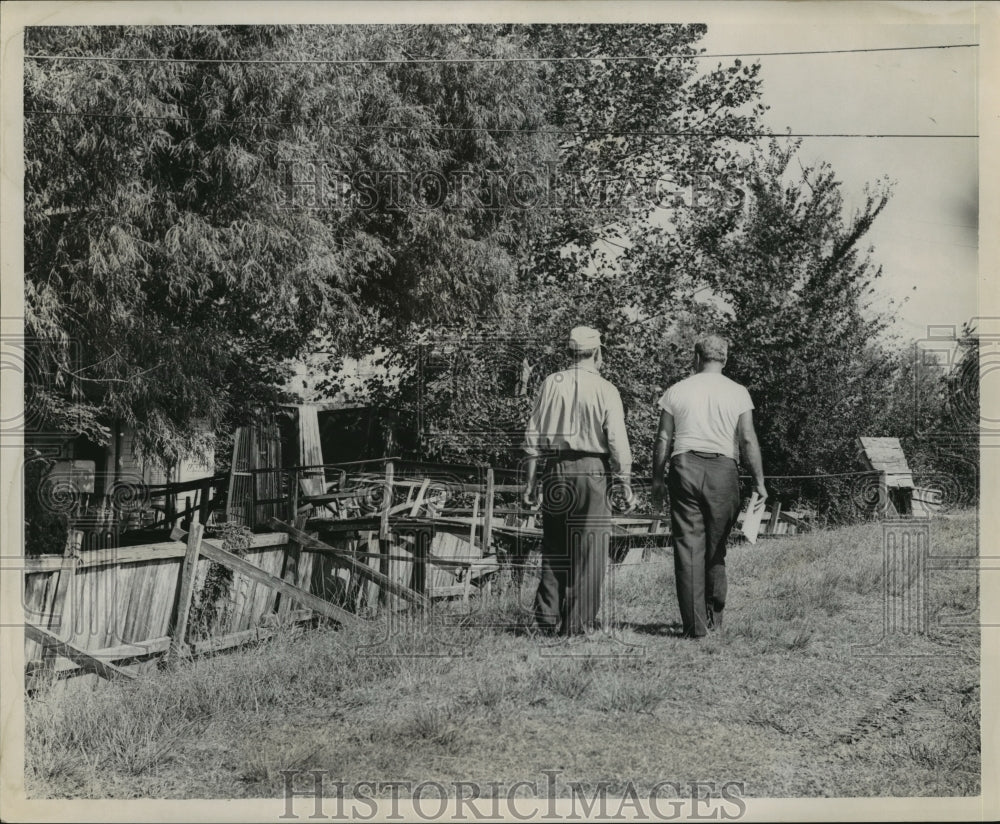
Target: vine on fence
{"x":213,"y":601}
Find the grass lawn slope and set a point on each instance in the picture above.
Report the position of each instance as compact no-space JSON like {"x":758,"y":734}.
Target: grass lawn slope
{"x":802,"y":693}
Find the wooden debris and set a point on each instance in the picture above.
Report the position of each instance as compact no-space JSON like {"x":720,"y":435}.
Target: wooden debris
{"x":82,"y":658}
{"x":186,"y":588}
{"x":886,"y":455}
{"x":214,"y":552}
{"x":345,"y":558}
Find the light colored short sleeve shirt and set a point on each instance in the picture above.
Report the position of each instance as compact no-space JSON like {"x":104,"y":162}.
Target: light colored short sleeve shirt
{"x":706,"y":409}
{"x":577,"y":409}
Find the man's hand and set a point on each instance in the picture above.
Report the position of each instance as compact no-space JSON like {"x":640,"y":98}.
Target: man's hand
{"x":625,"y":497}
{"x":659,"y":495}
{"x":528,"y":499}
{"x":628,"y":496}
{"x":760,"y":490}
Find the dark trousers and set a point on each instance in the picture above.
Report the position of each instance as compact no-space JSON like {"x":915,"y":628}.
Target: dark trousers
{"x":704,"y":503}
{"x":576,"y":533}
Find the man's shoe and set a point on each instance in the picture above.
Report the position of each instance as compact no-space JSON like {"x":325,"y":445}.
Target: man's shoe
{"x":714,"y":618}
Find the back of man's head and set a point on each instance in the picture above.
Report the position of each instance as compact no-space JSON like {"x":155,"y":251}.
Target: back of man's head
{"x":712,"y":348}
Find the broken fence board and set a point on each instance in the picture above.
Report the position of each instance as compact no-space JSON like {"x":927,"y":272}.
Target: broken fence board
{"x":791,"y":519}
{"x":386,"y":502}
{"x":215,"y":552}
{"x":186,"y":589}
{"x":246,"y":636}
{"x":80,"y":657}
{"x":140,"y":649}
{"x":345,"y":558}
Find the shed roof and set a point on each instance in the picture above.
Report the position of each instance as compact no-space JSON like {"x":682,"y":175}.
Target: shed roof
{"x":886,"y":455}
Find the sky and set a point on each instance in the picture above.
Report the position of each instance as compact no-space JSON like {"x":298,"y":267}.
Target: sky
{"x":926,"y":239}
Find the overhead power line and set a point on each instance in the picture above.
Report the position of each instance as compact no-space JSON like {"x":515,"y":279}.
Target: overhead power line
{"x":80,"y":58}
{"x":487,"y":129}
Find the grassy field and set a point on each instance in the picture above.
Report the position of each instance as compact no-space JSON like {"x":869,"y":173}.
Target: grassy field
{"x":798,"y":695}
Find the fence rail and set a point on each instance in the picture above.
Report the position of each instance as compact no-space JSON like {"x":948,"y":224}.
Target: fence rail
{"x":344,"y":542}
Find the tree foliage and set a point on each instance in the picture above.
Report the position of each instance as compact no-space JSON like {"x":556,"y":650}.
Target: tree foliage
{"x":194,"y":223}
{"x":166,"y":239}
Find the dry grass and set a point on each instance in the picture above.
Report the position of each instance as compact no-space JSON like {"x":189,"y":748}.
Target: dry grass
{"x":796,"y":696}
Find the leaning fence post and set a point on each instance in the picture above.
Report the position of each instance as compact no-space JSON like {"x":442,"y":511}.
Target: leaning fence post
{"x":383,"y":533}
{"x":293,"y":496}
{"x":293,"y":559}
{"x":188,"y":570}
{"x":205,"y":494}
{"x":488,"y":511}
{"x":386,"y":500}
{"x":772,"y":525}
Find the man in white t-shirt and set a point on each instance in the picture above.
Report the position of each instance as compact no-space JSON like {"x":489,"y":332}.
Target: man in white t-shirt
{"x":704,"y":421}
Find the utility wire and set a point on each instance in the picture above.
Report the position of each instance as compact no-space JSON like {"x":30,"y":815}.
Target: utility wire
{"x":489,"y":130}
{"x":445,"y":60}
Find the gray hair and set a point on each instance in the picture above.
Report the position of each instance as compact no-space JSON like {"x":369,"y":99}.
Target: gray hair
{"x":712,"y":348}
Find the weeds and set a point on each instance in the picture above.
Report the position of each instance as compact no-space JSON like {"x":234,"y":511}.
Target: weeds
{"x":613,"y":693}
{"x":360,"y":696}
{"x":570,"y":678}
{"x":441,"y":726}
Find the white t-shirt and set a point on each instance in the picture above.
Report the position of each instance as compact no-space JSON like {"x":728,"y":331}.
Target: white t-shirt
{"x":706,"y":408}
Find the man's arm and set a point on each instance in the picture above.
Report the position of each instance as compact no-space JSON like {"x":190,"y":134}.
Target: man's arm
{"x":751,"y":451}
{"x":620,"y":458}
{"x":661,"y":452}
{"x":532,"y":442}
{"x":531,"y":469}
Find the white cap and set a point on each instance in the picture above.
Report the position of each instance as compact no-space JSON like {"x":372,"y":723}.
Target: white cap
{"x":583,"y":339}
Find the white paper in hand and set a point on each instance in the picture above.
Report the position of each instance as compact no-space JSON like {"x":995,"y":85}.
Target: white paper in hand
{"x":751,"y":521}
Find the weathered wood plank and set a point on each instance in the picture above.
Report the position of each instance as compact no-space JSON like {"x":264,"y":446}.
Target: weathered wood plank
{"x":488,"y":511}
{"x":215,"y":552}
{"x":449,"y":590}
{"x":343,"y":557}
{"x":775,"y":514}
{"x":235,"y":639}
{"x":419,"y":502}
{"x":798,"y":522}
{"x":121,"y":652}
{"x":133,"y":554}
{"x":386,"y":503}
{"x":186,"y":587}
{"x":84,"y":659}
{"x":292,"y":560}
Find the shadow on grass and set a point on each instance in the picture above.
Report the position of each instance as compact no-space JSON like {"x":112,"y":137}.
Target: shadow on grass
{"x":671,"y":629}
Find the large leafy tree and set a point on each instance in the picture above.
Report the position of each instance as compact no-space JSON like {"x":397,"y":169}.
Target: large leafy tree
{"x":796,"y":286}
{"x":639,"y":142}
{"x":168,"y":242}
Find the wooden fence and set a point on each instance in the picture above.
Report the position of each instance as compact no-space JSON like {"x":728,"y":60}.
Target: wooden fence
{"x":345,"y":543}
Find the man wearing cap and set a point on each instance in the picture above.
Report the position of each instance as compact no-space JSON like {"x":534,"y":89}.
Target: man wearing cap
{"x":704,"y":421}
{"x":578,"y":426}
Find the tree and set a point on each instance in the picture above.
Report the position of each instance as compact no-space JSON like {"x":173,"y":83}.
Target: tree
{"x":167,"y":242}
{"x":795,"y":287}
{"x":639,"y":141}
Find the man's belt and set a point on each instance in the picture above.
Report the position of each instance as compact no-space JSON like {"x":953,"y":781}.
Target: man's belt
{"x":709,"y":454}
{"x":571,"y":455}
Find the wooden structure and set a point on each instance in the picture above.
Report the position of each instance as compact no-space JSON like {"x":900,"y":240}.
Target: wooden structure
{"x":254,"y":478}
{"x":127,"y":512}
{"x":121,"y":604}
{"x":885,"y":456}
{"x":777,"y":521}
{"x":351,"y":541}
